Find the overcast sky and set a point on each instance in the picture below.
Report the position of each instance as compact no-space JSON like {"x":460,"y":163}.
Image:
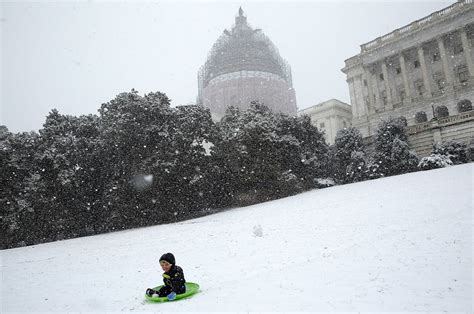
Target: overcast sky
{"x":74,"y":56}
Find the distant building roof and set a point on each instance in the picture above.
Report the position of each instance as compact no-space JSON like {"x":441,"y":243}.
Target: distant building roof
{"x":326,"y":105}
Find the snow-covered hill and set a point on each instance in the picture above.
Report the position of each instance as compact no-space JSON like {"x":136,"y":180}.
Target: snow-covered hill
{"x":402,"y":243}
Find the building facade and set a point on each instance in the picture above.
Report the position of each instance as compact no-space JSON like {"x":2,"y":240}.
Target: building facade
{"x":329,"y":116}
{"x":244,"y":66}
{"x":412,"y":71}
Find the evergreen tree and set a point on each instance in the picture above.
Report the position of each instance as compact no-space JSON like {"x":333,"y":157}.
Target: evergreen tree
{"x":434,"y":161}
{"x":403,"y":158}
{"x":263,"y":156}
{"x":348,"y":145}
{"x":391,"y":154}
{"x":305,"y":150}
{"x":247,"y":143}
{"x":159,"y":161}
{"x":192,"y":185}
{"x":69,"y":176}
{"x":357,"y":170}
{"x":137,"y":137}
{"x":455,"y":151}
{"x":17,"y":165}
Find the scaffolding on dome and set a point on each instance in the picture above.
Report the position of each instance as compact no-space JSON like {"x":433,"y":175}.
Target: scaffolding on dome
{"x":242,"y":49}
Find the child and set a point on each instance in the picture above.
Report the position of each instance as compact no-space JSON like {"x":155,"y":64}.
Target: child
{"x":173,"y":278}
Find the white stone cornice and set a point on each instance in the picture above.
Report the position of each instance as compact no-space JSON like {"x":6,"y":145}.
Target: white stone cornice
{"x":435,"y":18}
{"x":419,"y":37}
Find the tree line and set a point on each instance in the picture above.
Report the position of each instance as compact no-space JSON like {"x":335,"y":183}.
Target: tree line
{"x":140,"y":162}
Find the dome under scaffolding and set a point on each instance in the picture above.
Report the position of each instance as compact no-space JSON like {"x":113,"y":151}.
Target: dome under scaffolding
{"x":239,"y":59}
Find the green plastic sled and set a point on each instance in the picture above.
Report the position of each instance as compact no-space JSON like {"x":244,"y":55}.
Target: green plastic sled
{"x":191,"y":288}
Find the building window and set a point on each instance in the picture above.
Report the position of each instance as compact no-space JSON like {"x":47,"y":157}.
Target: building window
{"x":438,"y":78}
{"x":398,"y":70}
{"x":457,"y":48}
{"x":365,"y":83}
{"x":234,"y":101}
{"x":344,"y":124}
{"x":366,"y":100}
{"x":440,"y":84}
{"x":384,"y":98}
{"x":462,"y":73}
{"x":435,"y":57}
{"x":403,"y":95}
{"x":420,"y":87}
{"x":416,"y":64}
{"x":321,"y":125}
{"x":381,"y":76}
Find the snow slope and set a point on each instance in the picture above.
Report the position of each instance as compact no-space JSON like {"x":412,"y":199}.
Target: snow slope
{"x":402,"y":243}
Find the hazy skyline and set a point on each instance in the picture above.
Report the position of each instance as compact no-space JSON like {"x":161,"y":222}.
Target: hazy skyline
{"x":74,"y":56}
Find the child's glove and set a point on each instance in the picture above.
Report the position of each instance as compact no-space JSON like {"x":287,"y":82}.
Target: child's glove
{"x":171,"y":296}
{"x":149,"y":292}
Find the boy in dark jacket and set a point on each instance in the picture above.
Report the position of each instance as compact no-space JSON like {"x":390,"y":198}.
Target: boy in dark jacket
{"x":173,"y":278}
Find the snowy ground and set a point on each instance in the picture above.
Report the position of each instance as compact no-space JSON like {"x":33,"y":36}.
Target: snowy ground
{"x":395,"y":244}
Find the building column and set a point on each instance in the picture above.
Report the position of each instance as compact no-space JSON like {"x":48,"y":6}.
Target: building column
{"x":332,"y":129}
{"x":437,"y":138}
{"x":405,"y":77}
{"x":352,"y":95}
{"x":387,"y":85}
{"x":424,"y":70}
{"x":375,"y":86}
{"x":393,"y":86}
{"x":360,"y":87}
{"x":444,"y":58}
{"x":467,"y":51}
{"x":371,"y":92}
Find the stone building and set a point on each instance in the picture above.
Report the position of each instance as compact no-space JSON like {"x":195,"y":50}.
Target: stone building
{"x":329,"y":116}
{"x":413,"y":72}
{"x":242,"y":66}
